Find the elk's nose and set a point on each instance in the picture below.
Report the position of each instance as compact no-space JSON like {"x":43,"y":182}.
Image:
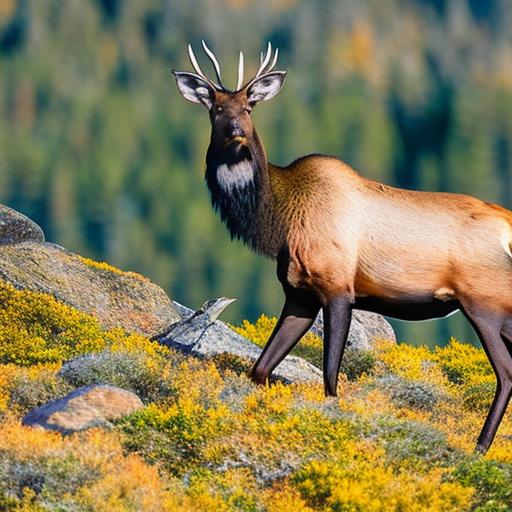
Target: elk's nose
{"x":235,"y":129}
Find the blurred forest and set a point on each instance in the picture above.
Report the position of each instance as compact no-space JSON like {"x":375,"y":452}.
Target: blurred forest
{"x":98,"y":147}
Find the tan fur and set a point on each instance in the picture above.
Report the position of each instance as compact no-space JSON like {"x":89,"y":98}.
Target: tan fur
{"x":349,"y":234}
{"x":413,"y":255}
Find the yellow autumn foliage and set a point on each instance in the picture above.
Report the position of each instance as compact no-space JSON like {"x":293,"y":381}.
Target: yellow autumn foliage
{"x":215,"y":441}
{"x":36,"y":328}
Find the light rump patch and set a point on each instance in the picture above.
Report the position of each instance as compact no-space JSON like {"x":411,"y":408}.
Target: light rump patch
{"x":506,"y":242}
{"x":235,"y":175}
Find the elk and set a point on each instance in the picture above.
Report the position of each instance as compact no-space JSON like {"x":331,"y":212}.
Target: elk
{"x":344,"y":242}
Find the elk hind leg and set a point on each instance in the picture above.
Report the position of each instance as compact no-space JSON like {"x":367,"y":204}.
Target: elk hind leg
{"x":491,"y":329}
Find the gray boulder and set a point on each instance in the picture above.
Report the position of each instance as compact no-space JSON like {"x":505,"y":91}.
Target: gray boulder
{"x":16,"y":228}
{"x":365,"y":329}
{"x":115,"y":298}
{"x":87,"y":407}
{"x":200,"y":333}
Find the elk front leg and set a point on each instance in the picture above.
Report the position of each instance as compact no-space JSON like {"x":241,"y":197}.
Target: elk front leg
{"x":337,"y":316}
{"x":299,"y":313}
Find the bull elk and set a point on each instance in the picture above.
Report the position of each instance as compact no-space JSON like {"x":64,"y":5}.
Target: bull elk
{"x":342,"y":241}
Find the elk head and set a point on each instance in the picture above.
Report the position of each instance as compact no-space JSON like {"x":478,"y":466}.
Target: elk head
{"x":233,"y":137}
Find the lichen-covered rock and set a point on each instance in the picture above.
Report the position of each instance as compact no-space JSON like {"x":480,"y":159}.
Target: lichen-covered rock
{"x":365,"y":329}
{"x":16,"y":228}
{"x":86,"y":407}
{"x":114,"y":298}
{"x":201,"y":334}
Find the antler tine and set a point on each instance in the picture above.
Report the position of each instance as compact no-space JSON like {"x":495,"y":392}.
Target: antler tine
{"x":193,"y":60}
{"x":263,"y":65}
{"x":274,"y":62}
{"x":215,"y":63}
{"x":240,"y":72}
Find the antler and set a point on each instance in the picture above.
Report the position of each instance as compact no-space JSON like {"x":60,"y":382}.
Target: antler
{"x":215,"y":63}
{"x":198,"y":70}
{"x":240,"y":80}
{"x":267,"y":64}
{"x":264,"y":61}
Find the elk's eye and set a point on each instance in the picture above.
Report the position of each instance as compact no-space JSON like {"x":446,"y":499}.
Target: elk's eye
{"x":218,"y":109}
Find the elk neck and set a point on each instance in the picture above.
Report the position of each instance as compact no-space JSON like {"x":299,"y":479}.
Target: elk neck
{"x":239,"y":182}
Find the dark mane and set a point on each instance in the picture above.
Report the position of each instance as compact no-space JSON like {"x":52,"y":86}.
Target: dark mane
{"x":238,"y":208}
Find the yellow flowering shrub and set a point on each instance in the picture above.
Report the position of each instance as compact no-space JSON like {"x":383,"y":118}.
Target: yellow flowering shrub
{"x":463,"y":363}
{"x":184,"y":431}
{"x":399,"y":437}
{"x":409,"y":362}
{"x":36,"y":328}
{"x":282,"y":497}
{"x":87,"y":471}
{"x":363,"y":482}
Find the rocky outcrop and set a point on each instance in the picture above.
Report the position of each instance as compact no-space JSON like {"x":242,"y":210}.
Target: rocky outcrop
{"x":16,"y":228}
{"x":365,"y":329}
{"x":200,"y":333}
{"x":91,"y":406}
{"x":115,"y":298}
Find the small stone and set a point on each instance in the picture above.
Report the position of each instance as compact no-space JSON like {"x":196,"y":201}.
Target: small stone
{"x":16,"y":228}
{"x":86,"y":407}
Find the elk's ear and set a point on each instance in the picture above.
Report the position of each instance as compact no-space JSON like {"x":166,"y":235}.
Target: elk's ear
{"x":194,"y":88}
{"x":265,"y":87}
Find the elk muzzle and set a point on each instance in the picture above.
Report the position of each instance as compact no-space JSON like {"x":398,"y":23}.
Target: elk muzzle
{"x":234,"y":133}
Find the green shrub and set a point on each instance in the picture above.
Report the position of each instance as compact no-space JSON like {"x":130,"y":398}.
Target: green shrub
{"x":479,"y":396}
{"x":492,"y":480}
{"x":29,"y":389}
{"x":147,"y":375}
{"x":236,"y":389}
{"x":231,"y":362}
{"x":414,"y":444}
{"x":357,"y":362}
{"x":49,"y":480}
{"x":408,"y":393}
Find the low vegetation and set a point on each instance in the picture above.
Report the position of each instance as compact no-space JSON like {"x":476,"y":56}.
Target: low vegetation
{"x":399,"y":437}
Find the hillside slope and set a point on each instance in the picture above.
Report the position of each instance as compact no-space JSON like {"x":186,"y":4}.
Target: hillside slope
{"x":400,"y":437}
